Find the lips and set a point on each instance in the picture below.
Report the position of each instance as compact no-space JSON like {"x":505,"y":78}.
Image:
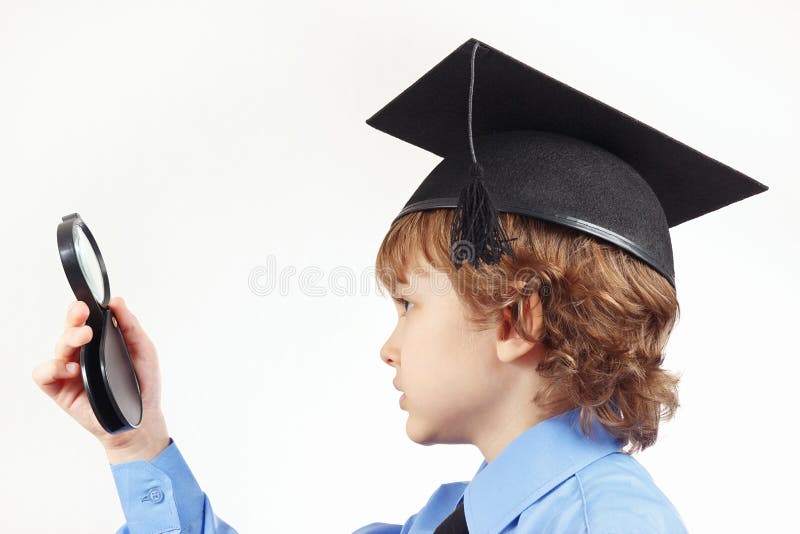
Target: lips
{"x":402,"y":397}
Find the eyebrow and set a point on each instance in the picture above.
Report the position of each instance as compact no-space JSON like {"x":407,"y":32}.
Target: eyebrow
{"x":399,"y":287}
{"x":397,"y":292}
{"x":420,"y":274}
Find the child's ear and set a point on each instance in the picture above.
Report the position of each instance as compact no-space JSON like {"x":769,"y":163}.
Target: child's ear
{"x":510,"y":343}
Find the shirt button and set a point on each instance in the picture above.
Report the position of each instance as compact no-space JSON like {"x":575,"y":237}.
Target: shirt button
{"x":154,"y":495}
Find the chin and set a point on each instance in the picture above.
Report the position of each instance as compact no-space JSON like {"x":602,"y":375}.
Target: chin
{"x":439,"y":430}
{"x":418,"y":433}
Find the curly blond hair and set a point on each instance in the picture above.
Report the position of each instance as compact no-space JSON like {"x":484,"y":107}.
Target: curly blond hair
{"x":606,"y":315}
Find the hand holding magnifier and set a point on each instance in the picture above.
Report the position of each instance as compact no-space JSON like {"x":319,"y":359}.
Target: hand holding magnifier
{"x":106,"y":367}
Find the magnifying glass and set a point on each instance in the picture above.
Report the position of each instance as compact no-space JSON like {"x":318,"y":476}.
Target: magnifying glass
{"x":106,"y":367}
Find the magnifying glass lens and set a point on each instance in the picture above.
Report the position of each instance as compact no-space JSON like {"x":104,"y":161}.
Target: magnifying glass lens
{"x":90,"y":266}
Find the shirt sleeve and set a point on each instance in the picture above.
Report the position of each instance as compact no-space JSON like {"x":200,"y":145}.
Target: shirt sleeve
{"x":162,"y":496}
{"x":387,"y":528}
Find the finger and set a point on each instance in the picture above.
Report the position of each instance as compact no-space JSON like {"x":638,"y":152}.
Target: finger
{"x":71,"y":339}
{"x":77,"y":313}
{"x":49,"y":372}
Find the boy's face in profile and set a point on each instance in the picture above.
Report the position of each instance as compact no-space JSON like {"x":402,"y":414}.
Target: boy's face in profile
{"x":458,"y":387}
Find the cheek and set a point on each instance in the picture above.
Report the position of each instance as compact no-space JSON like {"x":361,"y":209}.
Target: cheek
{"x":445,"y":368}
{"x":424,"y":365}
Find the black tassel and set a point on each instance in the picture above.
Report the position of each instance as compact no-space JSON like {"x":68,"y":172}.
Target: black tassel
{"x":476,"y":233}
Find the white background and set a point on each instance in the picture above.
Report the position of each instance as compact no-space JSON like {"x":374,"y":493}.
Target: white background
{"x":197,"y":139}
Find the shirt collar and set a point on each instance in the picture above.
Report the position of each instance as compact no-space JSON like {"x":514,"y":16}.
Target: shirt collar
{"x":532,"y":464}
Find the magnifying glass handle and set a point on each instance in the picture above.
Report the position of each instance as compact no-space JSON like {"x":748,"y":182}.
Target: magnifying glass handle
{"x":113,"y":386}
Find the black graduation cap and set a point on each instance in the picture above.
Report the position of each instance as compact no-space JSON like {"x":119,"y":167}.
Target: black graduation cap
{"x":516,"y":140}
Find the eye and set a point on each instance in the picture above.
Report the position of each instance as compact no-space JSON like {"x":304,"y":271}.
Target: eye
{"x":404,"y":303}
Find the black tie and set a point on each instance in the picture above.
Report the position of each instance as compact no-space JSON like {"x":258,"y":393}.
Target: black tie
{"x":455,"y":523}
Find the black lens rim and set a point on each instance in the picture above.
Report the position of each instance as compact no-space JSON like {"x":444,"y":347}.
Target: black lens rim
{"x":72,"y":267}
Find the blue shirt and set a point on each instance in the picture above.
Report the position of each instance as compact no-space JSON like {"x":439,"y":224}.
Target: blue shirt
{"x":550,"y":479}
{"x":162,"y":496}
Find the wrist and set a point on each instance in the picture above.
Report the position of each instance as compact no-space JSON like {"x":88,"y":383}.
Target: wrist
{"x":143,"y":443}
{"x":142,"y":447}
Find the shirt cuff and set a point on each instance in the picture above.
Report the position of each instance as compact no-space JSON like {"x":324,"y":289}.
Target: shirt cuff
{"x":158,"y":496}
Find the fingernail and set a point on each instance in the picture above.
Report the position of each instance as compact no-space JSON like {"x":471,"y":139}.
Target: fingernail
{"x":72,"y":367}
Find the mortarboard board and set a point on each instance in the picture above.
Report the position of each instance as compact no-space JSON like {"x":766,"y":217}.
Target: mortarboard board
{"x":516,"y":140}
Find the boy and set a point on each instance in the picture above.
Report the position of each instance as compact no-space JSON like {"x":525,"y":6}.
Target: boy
{"x":533,"y":277}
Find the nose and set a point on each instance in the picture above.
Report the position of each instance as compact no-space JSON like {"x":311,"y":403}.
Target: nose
{"x":390,"y":352}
